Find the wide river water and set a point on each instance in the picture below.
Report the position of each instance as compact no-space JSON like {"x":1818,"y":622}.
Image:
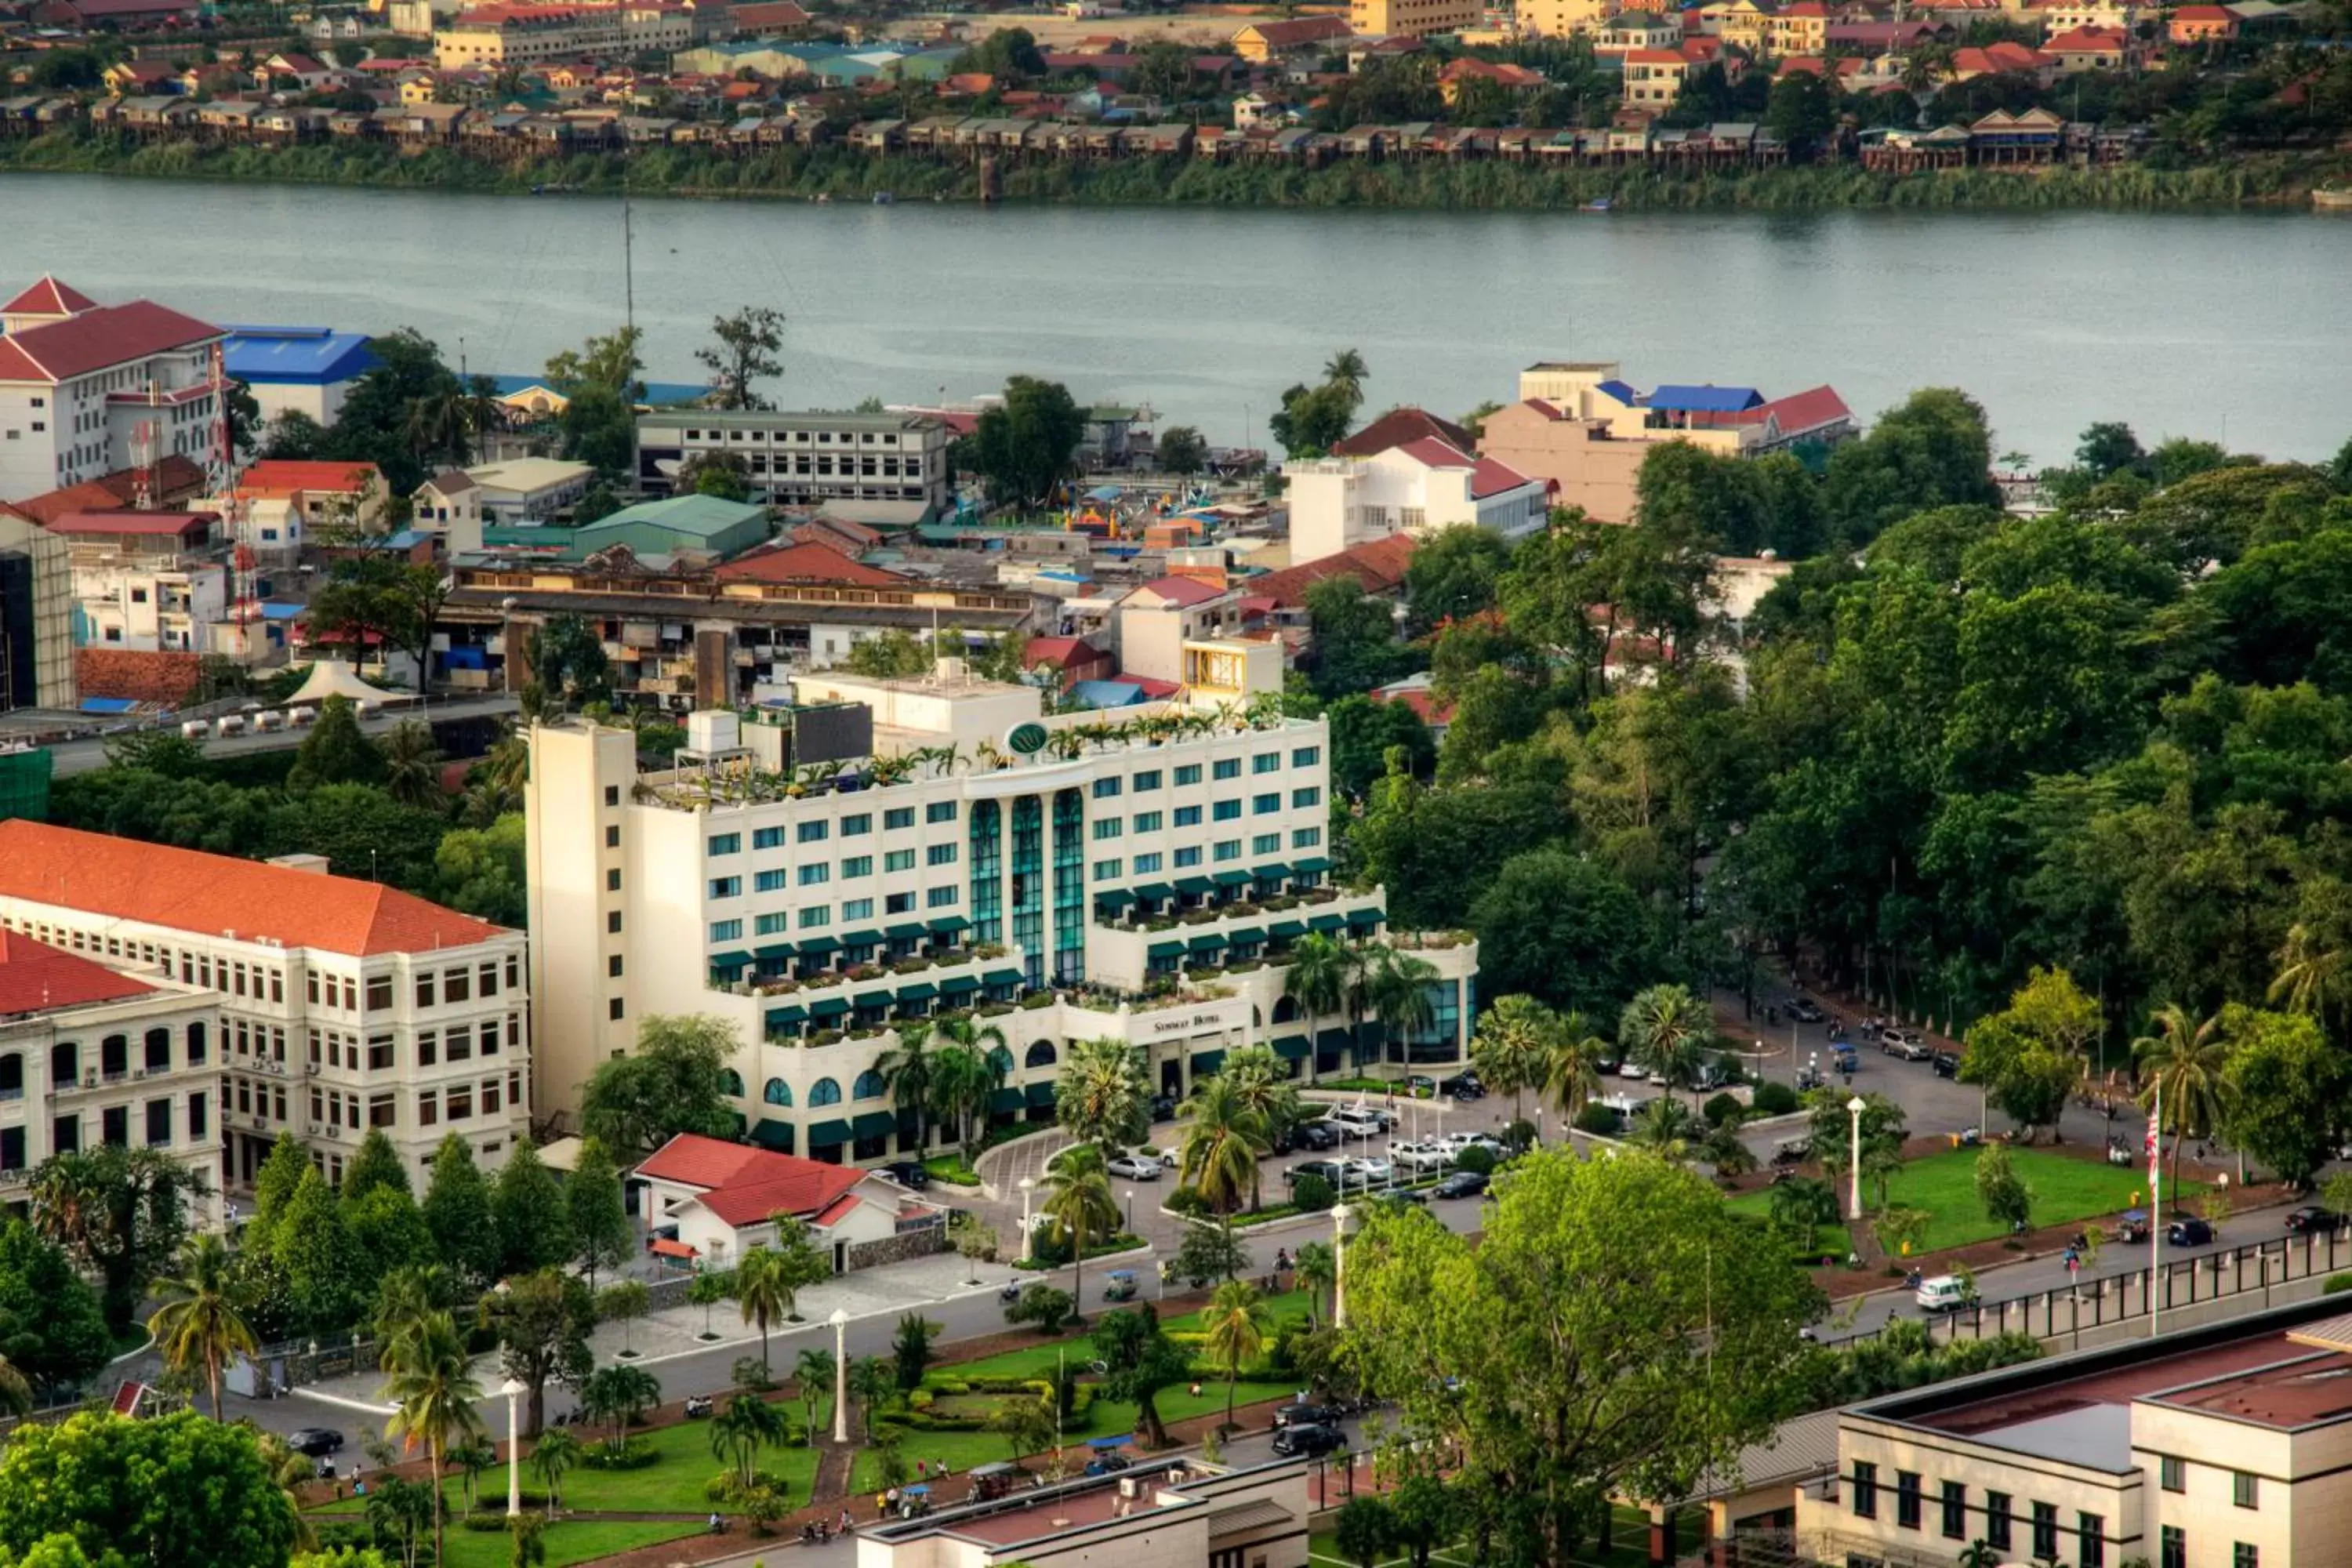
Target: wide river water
{"x":2229,"y":326}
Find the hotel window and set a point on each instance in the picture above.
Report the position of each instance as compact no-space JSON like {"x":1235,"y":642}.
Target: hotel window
{"x":1997,"y":1520}
{"x":1306,"y":837}
{"x":898,"y":861}
{"x":2171,"y":1474}
{"x":613,"y":967}
{"x":457,"y":986}
{"x":383,"y":1111}
{"x":490,"y":1097}
{"x":857,"y":824}
{"x":815,"y":875}
{"x":726,"y":930}
{"x":428,"y":1108}
{"x":1306,"y":756}
{"x":514,"y":972}
{"x":2174,"y":1552}
{"x":1229,"y":849}
{"x":1956,"y":1510}
{"x":1300,"y":799}
{"x":767,"y":837}
{"x":725,"y":843}
{"x":1267,"y":763}
{"x":1108,"y":827}
{"x":2246,"y":1488}
{"x":485,"y":982}
{"x":1107,"y":789}
{"x":897,"y":903}
{"x":897,"y":817}
{"x":768,"y":881}
{"x":379,"y":992}
{"x":857,"y":909}
{"x":2092,"y":1531}
{"x":816,"y":915}
{"x":726,"y":887}
{"x":615,"y":1008}
{"x":1907,"y":1498}
{"x":939,"y":811}
{"x":1190,"y":773}
{"x":1147,"y":864}
{"x":458,"y":1043}
{"x":1148,"y":779}
{"x":941,"y":855}
{"x":941,"y":897}
{"x":1266,"y":843}
{"x":2046,"y":1530}
{"x":1188,"y":816}
{"x":1108,"y":870}
{"x":612,"y":880}
{"x":428,"y":1046}
{"x":1865,"y":1490}
{"x":2245,"y":1554}
{"x":425,"y":991}
{"x":1263,"y":804}
{"x":770,"y":923}
{"x":460,"y":1103}
{"x":812,"y":832}
{"x":1188,"y":855}
{"x":1147,"y":821}
{"x":858,"y":866}
{"x":1227,"y":811}
{"x":1226,"y":768}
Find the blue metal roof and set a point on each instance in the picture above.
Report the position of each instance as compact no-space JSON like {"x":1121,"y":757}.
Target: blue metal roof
{"x":1620,"y":392}
{"x":309,"y":356}
{"x":1706,"y":399}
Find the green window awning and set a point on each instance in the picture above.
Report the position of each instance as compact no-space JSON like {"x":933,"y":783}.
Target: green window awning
{"x":1244,"y":934}
{"x":1003,"y":977}
{"x":1158,"y":892}
{"x":1309,"y":866}
{"x":860,"y":938}
{"x":1293,"y":1048}
{"x":826,"y":1134}
{"x":1232,"y":876}
{"x":921,"y":991}
{"x":812,"y":946}
{"x":1207,"y":1061}
{"x":948,"y":925}
{"x":1195,"y":885}
{"x":769,"y":1134}
{"x":729,"y":959}
{"x":1208,"y":943}
{"x":875,"y":1124}
{"x":829,"y":1007}
{"x":1287,"y":931}
{"x":785,"y":1017}
{"x":1274,"y":873}
{"x":907,"y":930}
{"x":1163,"y":950}
{"x":1114,"y":897}
{"x":1007,"y":1098}
{"x":1364,"y":920}
{"x":959,"y":985}
{"x":874,"y":1001}
{"x":1332,"y":1041}
{"x":1039,"y":1094}
{"x":1327,"y":922}
{"x":774,"y":950}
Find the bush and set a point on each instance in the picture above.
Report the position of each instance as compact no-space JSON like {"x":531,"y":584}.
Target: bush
{"x":1597,"y":1119}
{"x":485,"y":1522}
{"x":1775,"y":1100}
{"x":1187,"y":1202}
{"x":634,"y":1455}
{"x":2335,"y":1284}
{"x":1721,"y":1108}
{"x":1477,"y":1158}
{"x":1312,"y":1193}
{"x":951,"y":1386}
{"x":1036,"y":999}
{"x":1043,"y":1306}
{"x":1519,"y":1136}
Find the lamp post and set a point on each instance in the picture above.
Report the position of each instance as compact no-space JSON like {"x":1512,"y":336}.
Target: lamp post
{"x":840,"y":1321}
{"x":514,"y":1389}
{"x":1028,"y":1232}
{"x":1131,"y":1211}
{"x":1339,"y":1265}
{"x":1854,"y":1108}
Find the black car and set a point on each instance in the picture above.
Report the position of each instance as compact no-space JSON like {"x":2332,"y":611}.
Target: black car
{"x":2187,"y":1233}
{"x":1310,"y":1441}
{"x":1462,"y":1086}
{"x":1163,"y":1108}
{"x":1305,"y":1415}
{"x":1460,"y":1184}
{"x":909,"y":1173}
{"x":315,"y":1441}
{"x":1804,"y":1011}
{"x":2313,"y":1218}
{"x":1317,"y":1135}
{"x":1946,"y":1063}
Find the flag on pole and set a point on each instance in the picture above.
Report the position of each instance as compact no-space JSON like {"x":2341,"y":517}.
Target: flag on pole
{"x":2155,"y":1144}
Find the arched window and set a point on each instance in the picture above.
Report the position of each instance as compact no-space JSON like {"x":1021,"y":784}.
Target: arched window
{"x":114,"y":1054}
{"x":12,"y":1074}
{"x":732,"y":1082}
{"x":158,"y":1051}
{"x":870,"y":1085}
{"x":197,"y":1038}
{"x":1041,"y":1054}
{"x":1001,"y":1060}
{"x":1257,"y":1016}
{"x":65,"y":1063}
{"x":824,"y":1091}
{"x":778,"y":1092}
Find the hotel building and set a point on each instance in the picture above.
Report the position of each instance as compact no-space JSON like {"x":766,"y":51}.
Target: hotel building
{"x":945,"y":845}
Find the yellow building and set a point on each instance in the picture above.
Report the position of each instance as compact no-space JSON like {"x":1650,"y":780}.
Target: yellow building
{"x":1412,"y":18}
{"x":1566,"y":18}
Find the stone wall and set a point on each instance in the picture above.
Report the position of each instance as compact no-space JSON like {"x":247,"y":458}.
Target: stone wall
{"x":907,"y":1244}
{"x":163,"y":678}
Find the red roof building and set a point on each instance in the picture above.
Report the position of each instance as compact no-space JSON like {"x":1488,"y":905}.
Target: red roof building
{"x":50,"y":300}
{"x":727,"y":1198}
{"x":98,"y":338}
{"x":37,"y":978}
{"x":1072,"y":660}
{"x":1398,"y":427}
{"x":1379,"y":566}
{"x":806,"y":561}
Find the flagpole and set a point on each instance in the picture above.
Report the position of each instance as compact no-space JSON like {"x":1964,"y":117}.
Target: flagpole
{"x":2156,"y":1214}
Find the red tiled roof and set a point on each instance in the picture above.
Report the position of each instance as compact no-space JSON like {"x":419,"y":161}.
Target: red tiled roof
{"x":1059,"y":652}
{"x":809,"y":561}
{"x":1655,"y":57}
{"x":1152,"y":687}
{"x":1492,"y":477}
{"x":36,"y":978}
{"x":190,"y":890}
{"x":110,"y":335}
{"x":2086,"y":40}
{"x":179,"y":524}
{"x":1431,"y":452}
{"x":48,"y":298}
{"x":1183,"y":591}
{"x":1800,"y":411}
{"x":1802,"y":65}
{"x":286,"y":476}
{"x":1379,"y":566}
{"x":1399,"y":427}
{"x":1302,"y":30}
{"x":743,"y":1184}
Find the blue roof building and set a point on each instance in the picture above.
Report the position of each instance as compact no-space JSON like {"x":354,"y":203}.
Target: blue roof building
{"x":1704,"y":399}
{"x":305,"y":369}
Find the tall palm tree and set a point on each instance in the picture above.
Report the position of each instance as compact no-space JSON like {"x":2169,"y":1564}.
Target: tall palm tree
{"x":872,"y":1381}
{"x":1572,"y":1061}
{"x":431,"y":1381}
{"x":436,"y":424}
{"x":2182,"y":1064}
{"x":1318,"y":982}
{"x":738,"y":1432}
{"x":1238,"y":1327}
{"x":1398,"y":991}
{"x":1346,"y":370}
{"x":1665,"y":1129}
{"x":762,"y":1293}
{"x":1081,"y":1206}
{"x":812,"y":1371}
{"x":2314,"y":976}
{"x":197,"y":1328}
{"x":971,"y":1068}
{"x":552,"y":1454}
{"x":1510,"y":1048}
{"x":1101,"y":1095}
{"x":412,"y":764}
{"x":1260,"y":1083}
{"x":404,"y":1302}
{"x":1316,"y":1267}
{"x":907,"y":1070}
{"x":1224,"y":1136}
{"x":1667,"y":1029}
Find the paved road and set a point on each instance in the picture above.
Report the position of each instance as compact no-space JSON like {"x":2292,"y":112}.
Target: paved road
{"x":81,"y":756}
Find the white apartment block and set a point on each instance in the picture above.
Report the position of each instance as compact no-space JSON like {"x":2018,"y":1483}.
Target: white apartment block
{"x":91,"y":1056}
{"x":1067,"y":878}
{"x":344,"y":1005}
{"x":868,"y":467}
{"x":147,"y":581}
{"x":86,"y":390}
{"x":1338,"y":503}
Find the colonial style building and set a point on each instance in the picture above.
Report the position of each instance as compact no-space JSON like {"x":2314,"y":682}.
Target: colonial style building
{"x":86,"y":389}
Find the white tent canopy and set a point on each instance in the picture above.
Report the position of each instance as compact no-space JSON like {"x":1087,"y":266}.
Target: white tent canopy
{"x":333,"y":677}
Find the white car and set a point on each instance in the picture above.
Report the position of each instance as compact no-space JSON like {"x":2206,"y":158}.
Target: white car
{"x":1431,"y":1155}
{"x":1633,"y":1069}
{"x":1134,"y":1167}
{"x":1355,"y":1123}
{"x":1376,"y":1171}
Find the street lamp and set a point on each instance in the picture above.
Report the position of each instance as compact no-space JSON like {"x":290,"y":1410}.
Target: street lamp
{"x":840,"y":1321}
{"x":1854,"y":1108}
{"x":1028,"y":1233}
{"x":1131,"y":1211}
{"x":1339,"y":1265}
{"x":514,"y":1389}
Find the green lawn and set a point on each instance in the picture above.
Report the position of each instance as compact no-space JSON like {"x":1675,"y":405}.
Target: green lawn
{"x":2066,"y":1191}
{"x":578,"y":1542}
{"x":952,"y":1169}
{"x":1829,"y":1240}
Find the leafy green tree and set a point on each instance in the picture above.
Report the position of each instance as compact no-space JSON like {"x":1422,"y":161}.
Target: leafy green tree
{"x":1352,"y":637}
{"x":1009,"y":54}
{"x":120,"y":1213}
{"x":568,"y":659}
{"x":460,"y":1213}
{"x":1801,"y":111}
{"x":480,"y":871}
{"x":745,"y":348}
{"x":52,"y":1330}
{"x":431,"y":1386}
{"x":618,"y":1397}
{"x":1452,"y":575}
{"x":176,"y":1489}
{"x":1139,"y":1361}
{"x":726,"y":481}
{"x":542,"y":1321}
{"x":2183,"y":1070}
{"x":1025,"y":445}
{"x":812,"y":1371}
{"x":2002,"y":1192}
{"x":375,"y":1163}
{"x":1555,"y":926}
{"x":553,"y":1453}
{"x":1365,"y":1531}
{"x":624,"y":1302}
{"x":2108,"y":447}
{"x":1363,"y":733}
{"x":1101,"y":1095}
{"x":873,"y":1384}
{"x":1215,"y":1252}
{"x":313,"y":1247}
{"x":2282,"y":1086}
{"x":769,"y":1279}
{"x":1935,"y":450}
{"x":1182,"y":449}
{"x":1425,"y":1515}
{"x":596,"y":1220}
{"x":911,"y":1352}
{"x":386,"y":1232}
{"x":529,"y":1210}
{"x":672,"y":1082}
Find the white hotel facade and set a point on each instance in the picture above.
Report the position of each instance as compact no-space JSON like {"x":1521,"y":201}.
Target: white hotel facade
{"x":1139,"y":875}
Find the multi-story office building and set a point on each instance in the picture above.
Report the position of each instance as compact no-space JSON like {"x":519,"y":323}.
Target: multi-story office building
{"x":91,"y":1056}
{"x":1062,"y":877}
{"x":344,"y":1005}
{"x":86,"y":389}
{"x":870,"y":467}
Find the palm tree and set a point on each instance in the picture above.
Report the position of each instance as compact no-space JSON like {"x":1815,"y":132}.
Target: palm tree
{"x":1346,"y":371}
{"x":1318,"y":981}
{"x":1260,"y":1084}
{"x":739,"y":1432}
{"x":436,"y":424}
{"x":968,"y":1068}
{"x":1397,"y":987}
{"x":762,"y":1293}
{"x":404,"y":1302}
{"x":1316,"y":1268}
{"x":197,"y":1328}
{"x":2312,"y":977}
{"x":472,"y":1459}
{"x":812,"y":1371}
{"x":1725,"y":1150}
{"x":290,"y":1472}
{"x":552,"y":1454}
{"x":1224,"y":1136}
{"x":907,"y":1070}
{"x":872,"y":1381}
{"x":431,"y":1380}
{"x":410,"y":764}
{"x":616,"y":1396}
{"x":1572,"y":1064}
{"x":1665,"y":1129}
{"x":2180,"y":1066}
{"x":1666,"y":1029}
{"x":1101,"y":1094}
{"x":1238,"y":1326}
{"x":1081,"y":1206}
{"x":1510,"y":1048}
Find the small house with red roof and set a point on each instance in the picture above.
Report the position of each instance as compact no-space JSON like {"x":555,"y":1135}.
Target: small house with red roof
{"x":1156,"y":620}
{"x":724,"y":1199}
{"x":1069,"y":661}
{"x":2201,"y":25}
{"x":1416,"y":487}
{"x":2089,"y":49}
{"x":1517,"y":80}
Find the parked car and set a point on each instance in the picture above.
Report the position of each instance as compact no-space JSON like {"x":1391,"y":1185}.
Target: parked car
{"x":1308,"y":1442}
{"x":1372,"y":1169}
{"x":2314,"y":1218}
{"x":1946,"y":1063}
{"x":2187,"y":1233}
{"x":1632,"y":1069}
{"x":1343,"y":1175}
{"x":1109,"y":1462}
{"x":315,"y":1441}
{"x":1133,"y":1167}
{"x":1316,"y":1135}
{"x":1805,"y":1010}
{"x":1403,"y":1198}
{"x":1905,"y":1043}
{"x":1460,"y":1184}
{"x":1430,"y":1155}
{"x":1355,"y":1121}
{"x":1163,"y":1108}
{"x":1944,"y":1293}
{"x":1304,"y":1413}
{"x":1793,"y":1150}
{"x":1713,"y":1074}
{"x":1462,"y":1086}
{"x":907,"y":1173}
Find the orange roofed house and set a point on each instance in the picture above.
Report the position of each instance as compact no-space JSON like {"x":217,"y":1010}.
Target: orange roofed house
{"x":281,"y":500}
{"x":1263,"y":41}
{"x":725,"y":1199}
{"x":344,"y":1005}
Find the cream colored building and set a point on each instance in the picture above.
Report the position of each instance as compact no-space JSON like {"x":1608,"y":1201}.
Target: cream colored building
{"x":1140,"y":876}
{"x":1419,"y":488}
{"x":344,"y":1005}
{"x":1412,"y":18}
{"x":1564,"y":18}
{"x":511,"y":35}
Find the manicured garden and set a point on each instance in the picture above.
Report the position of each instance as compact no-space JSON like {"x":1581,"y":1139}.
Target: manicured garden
{"x":2066,"y":1191}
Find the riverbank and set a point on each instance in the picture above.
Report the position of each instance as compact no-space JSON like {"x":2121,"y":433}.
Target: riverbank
{"x":837,"y":174}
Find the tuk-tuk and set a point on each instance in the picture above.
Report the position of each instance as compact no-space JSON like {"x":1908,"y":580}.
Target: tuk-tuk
{"x":914,"y":1502}
{"x":2132,"y":1226}
{"x":995,"y":1480}
{"x":1105,"y":1458}
{"x":1119,"y":1284}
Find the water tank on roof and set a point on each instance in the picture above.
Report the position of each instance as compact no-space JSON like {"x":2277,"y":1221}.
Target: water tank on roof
{"x":713,"y":730}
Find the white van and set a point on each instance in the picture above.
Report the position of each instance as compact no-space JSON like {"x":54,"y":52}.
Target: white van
{"x":1355,"y":1121}
{"x":298,"y":716}
{"x":1944,"y":1293}
{"x":266,"y":724}
{"x":232,"y":724}
{"x":194,"y":730}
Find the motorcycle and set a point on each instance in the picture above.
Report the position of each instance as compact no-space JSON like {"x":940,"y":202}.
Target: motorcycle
{"x":1012,"y":1291}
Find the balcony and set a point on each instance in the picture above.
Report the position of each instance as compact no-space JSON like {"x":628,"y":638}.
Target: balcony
{"x":1134,"y":950}
{"x":867,"y":998}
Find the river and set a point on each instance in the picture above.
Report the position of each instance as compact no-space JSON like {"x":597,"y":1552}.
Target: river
{"x":2227,"y":326}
